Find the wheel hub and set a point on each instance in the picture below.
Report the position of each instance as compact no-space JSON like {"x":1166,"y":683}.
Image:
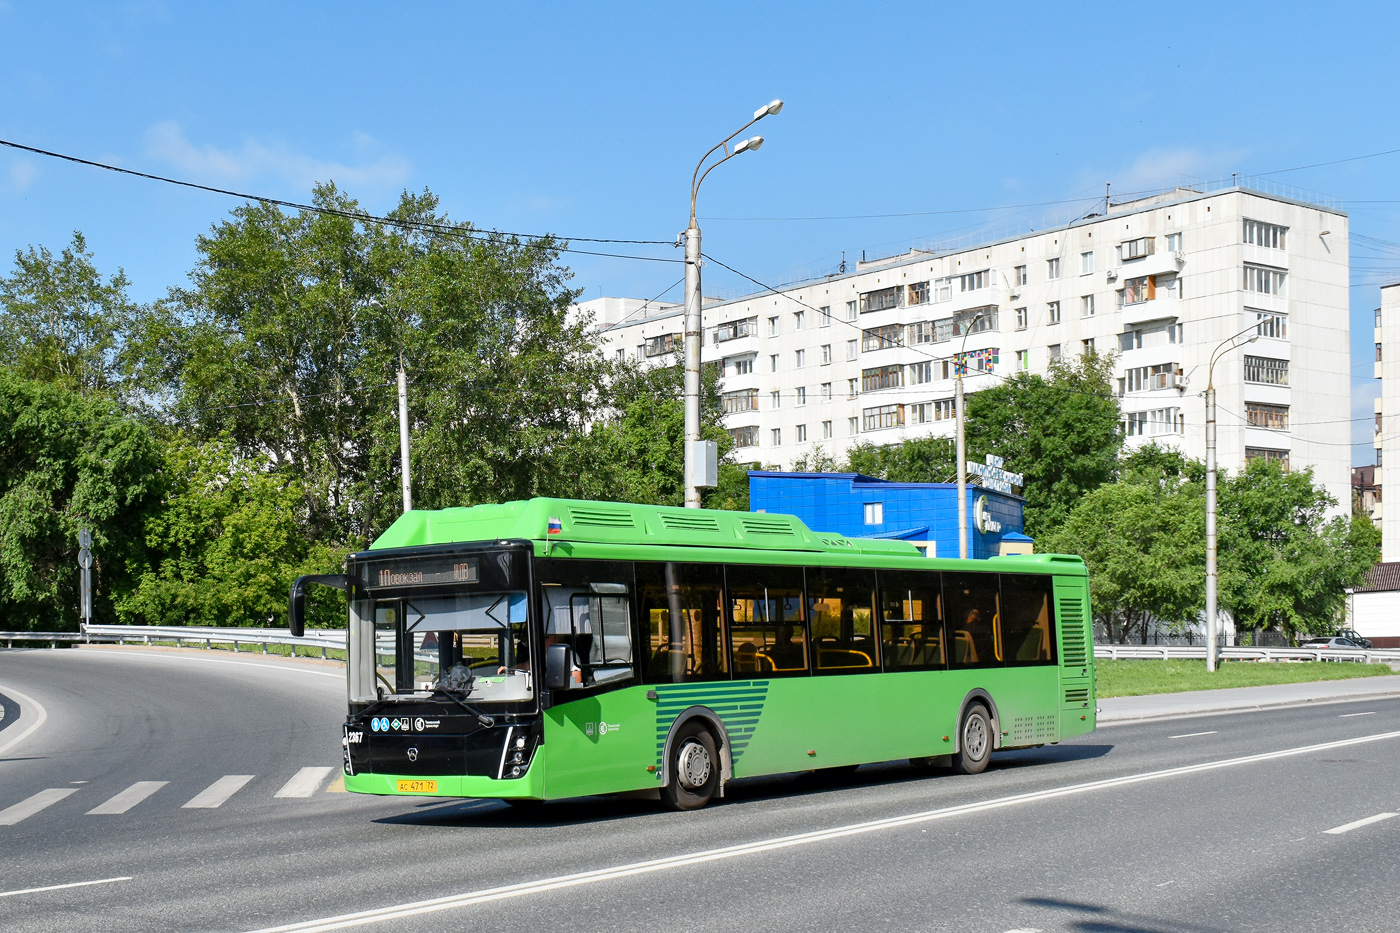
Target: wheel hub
{"x":975,"y":738}
{"x":693,"y":766}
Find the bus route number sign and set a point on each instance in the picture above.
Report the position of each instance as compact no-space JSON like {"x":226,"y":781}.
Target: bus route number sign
{"x":422,"y":572}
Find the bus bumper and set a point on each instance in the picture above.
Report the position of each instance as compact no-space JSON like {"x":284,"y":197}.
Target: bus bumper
{"x":528,"y":785}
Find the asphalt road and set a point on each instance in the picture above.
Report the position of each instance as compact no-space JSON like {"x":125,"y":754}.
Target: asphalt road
{"x":1193,"y":825}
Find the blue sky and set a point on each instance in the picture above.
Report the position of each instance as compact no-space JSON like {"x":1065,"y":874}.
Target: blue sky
{"x":586,"y":120}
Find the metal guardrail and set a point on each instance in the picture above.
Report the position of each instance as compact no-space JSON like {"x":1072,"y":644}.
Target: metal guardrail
{"x":200,"y":636}
{"x":1238,"y":653}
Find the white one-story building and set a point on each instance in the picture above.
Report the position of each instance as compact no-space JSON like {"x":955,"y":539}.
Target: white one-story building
{"x":1373,"y":609}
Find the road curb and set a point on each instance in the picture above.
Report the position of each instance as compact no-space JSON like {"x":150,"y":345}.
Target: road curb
{"x":1229,"y":708}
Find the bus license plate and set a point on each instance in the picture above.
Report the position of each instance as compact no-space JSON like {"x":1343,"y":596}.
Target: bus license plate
{"x":418,"y":787}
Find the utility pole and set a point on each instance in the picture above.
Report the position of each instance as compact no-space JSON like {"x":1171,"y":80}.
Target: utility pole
{"x":403,"y":437}
{"x":961,"y":452}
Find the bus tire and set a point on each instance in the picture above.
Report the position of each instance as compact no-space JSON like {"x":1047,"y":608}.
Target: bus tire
{"x":974,"y":741}
{"x":695,"y":769}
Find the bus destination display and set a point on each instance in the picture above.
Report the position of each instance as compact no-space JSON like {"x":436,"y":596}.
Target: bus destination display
{"x":422,"y":572}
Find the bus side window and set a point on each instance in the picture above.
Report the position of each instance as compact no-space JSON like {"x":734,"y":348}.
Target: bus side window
{"x":1026,"y":627}
{"x":911,"y":611}
{"x":588,"y":606}
{"x":680,"y":612}
{"x":971,"y":600}
{"x":841,"y":606}
{"x":767,"y":620}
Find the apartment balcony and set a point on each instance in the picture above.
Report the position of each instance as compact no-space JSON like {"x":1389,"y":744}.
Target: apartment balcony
{"x":1161,"y":308}
{"x":1163,"y":263}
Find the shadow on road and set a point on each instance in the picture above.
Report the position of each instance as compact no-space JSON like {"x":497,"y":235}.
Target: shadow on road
{"x":1108,"y":920}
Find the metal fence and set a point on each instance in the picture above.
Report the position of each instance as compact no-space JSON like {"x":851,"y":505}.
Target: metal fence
{"x":1238,"y":653}
{"x":184,"y":636}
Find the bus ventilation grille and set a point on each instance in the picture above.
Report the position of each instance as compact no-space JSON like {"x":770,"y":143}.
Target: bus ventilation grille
{"x":757,"y":526}
{"x":1072,"y":633}
{"x":1026,"y":730}
{"x":601,"y":518}
{"x":838,"y":542}
{"x":1077,"y":696}
{"x":689,"y":522}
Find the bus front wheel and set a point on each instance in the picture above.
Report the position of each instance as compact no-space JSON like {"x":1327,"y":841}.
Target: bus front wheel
{"x":694,"y":769}
{"x":974,"y":741}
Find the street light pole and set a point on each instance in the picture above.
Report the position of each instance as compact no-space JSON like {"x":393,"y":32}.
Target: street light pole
{"x":1212,"y":568}
{"x":695,"y":449}
{"x":961,"y":452}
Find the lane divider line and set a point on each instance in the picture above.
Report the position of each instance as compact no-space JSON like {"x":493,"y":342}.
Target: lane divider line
{"x":290,"y":667}
{"x":1348,"y":827}
{"x":60,"y":887}
{"x":217,"y":793}
{"x":125,"y":800}
{"x":42,"y":713}
{"x":32,"y":805}
{"x":304,"y":783}
{"x":1192,"y":735}
{"x":504,"y":892}
{"x":1349,"y":715}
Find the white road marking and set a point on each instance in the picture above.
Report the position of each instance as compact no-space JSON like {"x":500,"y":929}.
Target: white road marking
{"x":1348,"y":827}
{"x":215,"y":794}
{"x":1025,"y":930}
{"x":504,"y":892}
{"x":337,"y":786}
{"x":1192,"y":735}
{"x":60,"y":887}
{"x":43,"y":715}
{"x":1349,"y":715}
{"x":127,"y":799}
{"x":304,"y":782}
{"x":32,"y":805}
{"x":1165,"y":883}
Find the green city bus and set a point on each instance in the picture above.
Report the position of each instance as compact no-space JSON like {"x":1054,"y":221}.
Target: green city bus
{"x":556,"y":648}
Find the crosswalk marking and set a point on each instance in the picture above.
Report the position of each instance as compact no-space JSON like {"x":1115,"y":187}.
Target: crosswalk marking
{"x":215,"y":794}
{"x":304,"y":783}
{"x":128,"y":798}
{"x":32,"y":805}
{"x":337,"y":786}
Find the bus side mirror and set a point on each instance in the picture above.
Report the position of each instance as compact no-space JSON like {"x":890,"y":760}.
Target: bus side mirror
{"x":558,"y":669}
{"x":296,"y":608}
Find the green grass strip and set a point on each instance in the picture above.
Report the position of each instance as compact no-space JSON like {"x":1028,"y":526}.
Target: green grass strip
{"x":1141,"y":677}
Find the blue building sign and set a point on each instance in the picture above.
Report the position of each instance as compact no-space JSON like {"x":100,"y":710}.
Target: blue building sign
{"x":924,"y":514}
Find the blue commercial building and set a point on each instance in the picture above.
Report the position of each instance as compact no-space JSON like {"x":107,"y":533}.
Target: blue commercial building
{"x":925,"y":514}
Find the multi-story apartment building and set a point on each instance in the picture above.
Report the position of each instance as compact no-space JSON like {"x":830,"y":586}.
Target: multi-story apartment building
{"x":1158,"y":282}
{"x":1387,"y":436}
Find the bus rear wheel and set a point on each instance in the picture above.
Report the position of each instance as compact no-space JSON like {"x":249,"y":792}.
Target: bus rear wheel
{"x":974,"y":741}
{"x":694,"y":769}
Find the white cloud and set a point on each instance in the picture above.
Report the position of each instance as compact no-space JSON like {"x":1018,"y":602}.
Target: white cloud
{"x":1166,"y":168}
{"x":256,"y":161}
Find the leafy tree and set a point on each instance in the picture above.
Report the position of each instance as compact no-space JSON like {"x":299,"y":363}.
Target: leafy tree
{"x":1061,"y":433}
{"x":916,"y":460}
{"x":69,"y":461}
{"x":226,"y":544}
{"x":60,"y":322}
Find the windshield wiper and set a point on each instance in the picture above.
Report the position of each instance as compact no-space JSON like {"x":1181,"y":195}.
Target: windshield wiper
{"x":485,"y":721}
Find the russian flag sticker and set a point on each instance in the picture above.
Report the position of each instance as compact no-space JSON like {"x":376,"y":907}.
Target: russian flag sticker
{"x":555,"y":526}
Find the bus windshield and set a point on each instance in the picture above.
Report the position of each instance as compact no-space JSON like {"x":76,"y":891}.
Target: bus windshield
{"x":468,"y":645}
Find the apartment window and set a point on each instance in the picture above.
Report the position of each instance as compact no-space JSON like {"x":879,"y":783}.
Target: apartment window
{"x":921,"y":413}
{"x":1263,"y":279}
{"x":881,"y":377}
{"x":777,"y":437}
{"x":1154,"y":423}
{"x":882,"y":299}
{"x":1272,"y":372}
{"x":982,"y":361}
{"x":1087,"y":345}
{"x":944,"y":409}
{"x":1022,"y":318}
{"x":1054,"y":350}
{"x":917,"y":293}
{"x":746,"y":436}
{"x":874,"y":513}
{"x":1129,"y":340}
{"x":853,"y":426}
{"x":943,"y":288}
{"x":1023,"y":360}
{"x":919,"y":373}
{"x":1019,"y":276}
{"x":1259,"y":233}
{"x":736,"y":329}
{"x":852,"y":349}
{"x":1378,"y":353}
{"x":1140,"y":289}
{"x":801,"y":433}
{"x":799,"y":320}
{"x":1086,"y":306}
{"x":852,"y":388}
{"x":1174,"y":243}
{"x":773,"y":363}
{"x":1136,"y":249}
{"x":920,"y":333}
{"x":742,"y":366}
{"x":824,"y":316}
{"x":1260,"y":415}
{"x":1053,"y":267}
{"x":622,"y":355}
{"x":1270,"y":323}
{"x":879,"y":338}
{"x":850,"y":311}
{"x":743,"y":400}
{"x":801,"y":397}
{"x":826,"y":391}
{"x":972,"y":281}
{"x":1086,"y":262}
{"x":975,"y":320}
{"x":772,"y":327}
{"x":1053,"y":312}
{"x":826,"y":353}
{"x":886,"y":416}
{"x":801,"y":357}
{"x":1148,"y":378}
{"x":775,"y":399}
{"x":826,"y":430}
{"x":1278,"y":456}
{"x":666,"y":343}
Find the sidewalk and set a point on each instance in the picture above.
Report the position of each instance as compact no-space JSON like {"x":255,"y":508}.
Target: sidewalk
{"x":1234,"y":699}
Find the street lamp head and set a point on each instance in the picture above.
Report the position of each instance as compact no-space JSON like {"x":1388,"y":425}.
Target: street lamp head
{"x":752,"y":144}
{"x":772,"y":108}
